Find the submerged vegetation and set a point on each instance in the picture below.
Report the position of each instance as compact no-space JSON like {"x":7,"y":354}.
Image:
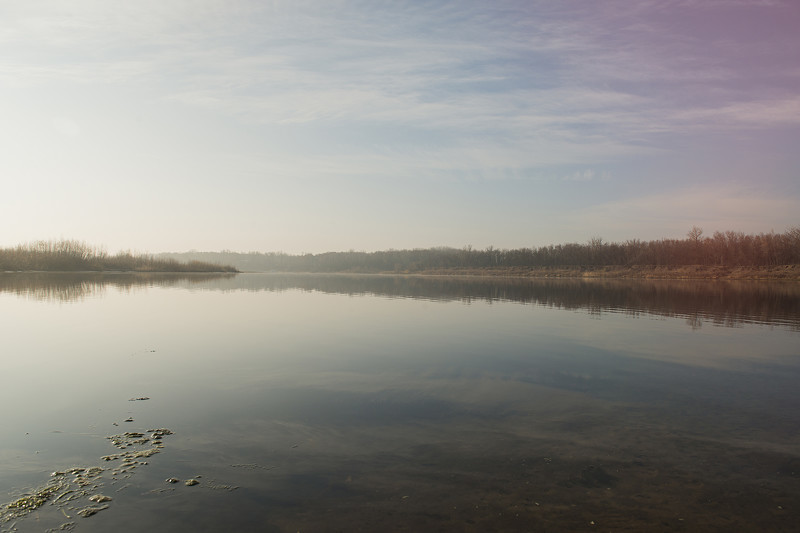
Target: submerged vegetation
{"x":729,"y":250}
{"x":72,"y":256}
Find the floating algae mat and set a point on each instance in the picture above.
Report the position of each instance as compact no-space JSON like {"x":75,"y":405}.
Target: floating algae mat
{"x":77,"y":491}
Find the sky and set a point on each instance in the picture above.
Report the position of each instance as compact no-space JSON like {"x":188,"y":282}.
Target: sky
{"x":304,"y":127}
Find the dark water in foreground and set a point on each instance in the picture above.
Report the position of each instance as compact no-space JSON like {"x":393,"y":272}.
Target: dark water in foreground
{"x":342,"y":403}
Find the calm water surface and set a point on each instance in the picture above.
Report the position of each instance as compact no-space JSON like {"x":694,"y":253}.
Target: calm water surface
{"x":341,"y":403}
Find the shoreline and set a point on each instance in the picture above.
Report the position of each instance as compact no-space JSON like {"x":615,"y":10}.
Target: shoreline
{"x":790,"y":273}
{"x":115,"y":272}
{"x":688,"y":272}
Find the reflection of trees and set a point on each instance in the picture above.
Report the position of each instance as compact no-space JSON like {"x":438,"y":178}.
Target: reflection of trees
{"x":68,"y":287}
{"x":694,"y":321}
{"x":727,"y":303}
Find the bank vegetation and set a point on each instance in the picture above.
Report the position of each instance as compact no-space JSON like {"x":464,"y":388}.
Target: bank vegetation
{"x":727,"y":254}
{"x":73,"y":256}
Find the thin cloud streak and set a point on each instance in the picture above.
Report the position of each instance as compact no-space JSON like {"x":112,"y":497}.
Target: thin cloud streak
{"x":377,"y":78}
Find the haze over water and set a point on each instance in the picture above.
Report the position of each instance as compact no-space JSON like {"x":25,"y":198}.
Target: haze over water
{"x":318,"y":403}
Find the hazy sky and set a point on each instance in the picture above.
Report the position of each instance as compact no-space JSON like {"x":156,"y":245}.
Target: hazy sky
{"x":334,"y":125}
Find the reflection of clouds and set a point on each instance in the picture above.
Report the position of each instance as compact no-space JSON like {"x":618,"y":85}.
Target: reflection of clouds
{"x":405,"y":394}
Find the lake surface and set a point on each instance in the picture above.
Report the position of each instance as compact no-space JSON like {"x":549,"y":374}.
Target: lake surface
{"x":379,"y":403}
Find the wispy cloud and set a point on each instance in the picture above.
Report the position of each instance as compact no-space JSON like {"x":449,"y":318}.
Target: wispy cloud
{"x":760,"y":114}
{"x":501,"y":85}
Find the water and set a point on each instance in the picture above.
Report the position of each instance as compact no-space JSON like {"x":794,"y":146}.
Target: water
{"x":376,"y":403}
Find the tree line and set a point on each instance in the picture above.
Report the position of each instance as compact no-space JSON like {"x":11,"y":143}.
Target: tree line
{"x":71,"y":256}
{"x":730,"y":248}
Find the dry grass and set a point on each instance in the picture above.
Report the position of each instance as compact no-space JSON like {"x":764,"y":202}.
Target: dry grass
{"x":73,"y":256}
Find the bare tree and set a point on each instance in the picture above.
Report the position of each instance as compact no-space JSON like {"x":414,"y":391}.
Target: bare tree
{"x":695,"y":234}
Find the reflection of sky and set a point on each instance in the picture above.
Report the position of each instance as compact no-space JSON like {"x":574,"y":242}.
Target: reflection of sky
{"x":292,"y":336}
{"x":295,"y":394}
{"x":233,"y":359}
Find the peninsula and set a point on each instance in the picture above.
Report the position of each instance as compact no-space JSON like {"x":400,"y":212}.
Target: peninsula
{"x":76,"y":256}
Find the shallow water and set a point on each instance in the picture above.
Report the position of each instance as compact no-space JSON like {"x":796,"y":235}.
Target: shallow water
{"x":378,"y":403}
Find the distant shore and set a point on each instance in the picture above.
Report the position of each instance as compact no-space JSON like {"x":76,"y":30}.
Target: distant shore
{"x":691,"y":272}
{"x":728,"y":255}
{"x":652,"y":272}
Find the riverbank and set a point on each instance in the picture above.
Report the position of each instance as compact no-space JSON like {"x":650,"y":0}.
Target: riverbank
{"x":694,"y":272}
{"x":75,"y":256}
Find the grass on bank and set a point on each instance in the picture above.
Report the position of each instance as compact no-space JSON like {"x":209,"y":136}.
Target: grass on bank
{"x":72,"y":256}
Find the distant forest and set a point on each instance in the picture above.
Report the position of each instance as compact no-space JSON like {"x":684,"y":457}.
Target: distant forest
{"x":71,"y":256}
{"x":730,"y":249}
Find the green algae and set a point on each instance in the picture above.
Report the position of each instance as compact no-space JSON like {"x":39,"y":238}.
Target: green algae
{"x":36,"y":498}
{"x":71,"y":486}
